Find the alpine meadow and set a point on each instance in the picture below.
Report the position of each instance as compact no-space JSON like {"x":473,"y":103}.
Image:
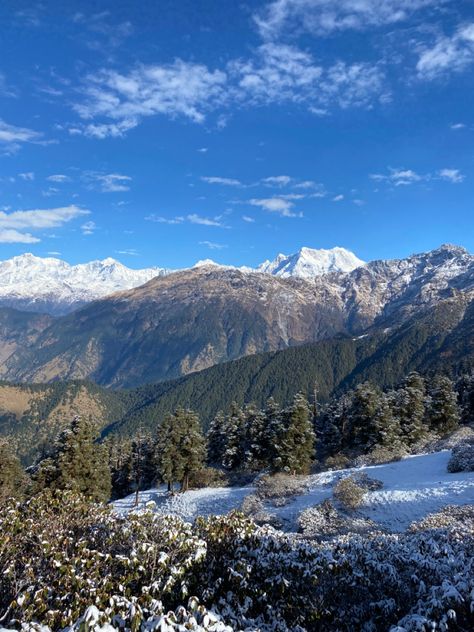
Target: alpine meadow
{"x":236,"y":316}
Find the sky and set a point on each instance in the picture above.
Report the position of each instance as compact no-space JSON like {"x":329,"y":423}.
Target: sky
{"x":163,"y":132}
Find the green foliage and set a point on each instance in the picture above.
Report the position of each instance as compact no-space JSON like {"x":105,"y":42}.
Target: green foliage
{"x":349,"y":492}
{"x":13,"y":479}
{"x":77,"y":463}
{"x":294,"y":446}
{"x":443,"y":410}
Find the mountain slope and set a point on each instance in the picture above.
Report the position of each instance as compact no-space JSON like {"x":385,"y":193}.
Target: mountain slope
{"x":191,"y":320}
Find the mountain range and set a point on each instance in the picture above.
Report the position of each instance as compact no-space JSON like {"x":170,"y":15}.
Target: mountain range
{"x":190,"y":320}
{"x":52,"y":286}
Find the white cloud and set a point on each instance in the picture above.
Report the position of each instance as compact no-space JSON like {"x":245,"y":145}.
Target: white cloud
{"x":457,"y":126}
{"x":276,"y":205}
{"x":177,"y":89}
{"x":203,"y":150}
{"x":405,"y":177}
{"x":109,"y":182}
{"x":88,"y":228}
{"x":192,"y":218}
{"x":451,"y":175}
{"x":323,"y":17}
{"x":13,"y":136}
{"x":277,"y":181}
{"x":12,"y":236}
{"x":212,"y":245}
{"x":448,"y":54}
{"x":248,"y":219}
{"x":28,"y":176}
{"x":280,"y":73}
{"x":59,"y":178}
{"x":231,"y":182}
{"x":13,"y":225}
{"x":131,"y":252}
{"x":399,"y":177}
{"x":338,"y":198}
{"x":54,"y":253}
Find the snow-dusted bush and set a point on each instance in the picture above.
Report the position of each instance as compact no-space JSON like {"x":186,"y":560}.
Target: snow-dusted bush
{"x":336,"y":462}
{"x":253,"y":507}
{"x":324,"y":521}
{"x":451,"y":517}
{"x":367,"y":482}
{"x":349,"y":493}
{"x":208,"y":477}
{"x":280,"y":489}
{"x":462,"y":458}
{"x":380,"y":455}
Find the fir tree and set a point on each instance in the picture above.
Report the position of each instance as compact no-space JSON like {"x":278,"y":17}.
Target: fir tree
{"x":257,"y":452}
{"x":217,"y":439}
{"x":296,"y":447}
{"x":169,"y":463}
{"x":443,"y":410}
{"x":410,"y":408}
{"x":387,"y":424}
{"x":365,"y":403}
{"x":234,"y":454}
{"x":78,"y":463}
{"x":192,"y":446}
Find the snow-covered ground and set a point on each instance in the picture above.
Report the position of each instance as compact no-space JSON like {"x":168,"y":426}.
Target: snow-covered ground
{"x":414,"y":487}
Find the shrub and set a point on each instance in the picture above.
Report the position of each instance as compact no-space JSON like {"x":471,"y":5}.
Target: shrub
{"x":337,"y":462}
{"x":253,"y":508}
{"x":366,"y":482}
{"x":208,"y":477}
{"x":324,"y":521}
{"x":380,"y":455}
{"x":280,"y":489}
{"x":462,"y":458}
{"x":349,"y":493}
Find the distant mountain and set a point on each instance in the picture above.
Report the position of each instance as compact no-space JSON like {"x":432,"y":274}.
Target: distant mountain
{"x":308,"y":263}
{"x":439,"y":340}
{"x":50,"y":285}
{"x":53,"y":286}
{"x":193,"y":319}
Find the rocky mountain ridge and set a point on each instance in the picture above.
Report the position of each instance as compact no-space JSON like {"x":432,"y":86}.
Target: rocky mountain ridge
{"x":190,"y":320}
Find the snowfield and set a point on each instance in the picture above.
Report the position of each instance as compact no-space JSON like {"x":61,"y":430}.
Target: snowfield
{"x":413,"y":487}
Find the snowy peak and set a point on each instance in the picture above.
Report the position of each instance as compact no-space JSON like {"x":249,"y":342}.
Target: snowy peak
{"x":309,"y":263}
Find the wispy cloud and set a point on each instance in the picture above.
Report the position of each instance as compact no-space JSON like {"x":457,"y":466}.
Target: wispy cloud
{"x":13,"y":225}
{"x":177,"y":89}
{"x":449,"y":54}
{"x":131,"y":252}
{"x":28,"y":176}
{"x":231,"y":182}
{"x":58,"y":178}
{"x":457,"y":126}
{"x":212,"y":245}
{"x":323,"y":17}
{"x":276,"y":181}
{"x":192,"y":218}
{"x":338,"y":198}
{"x":248,"y":219}
{"x":405,"y":177}
{"x":88,"y":228}
{"x":276,"y":205}
{"x":12,"y":136}
{"x":451,"y":175}
{"x":108,"y":182}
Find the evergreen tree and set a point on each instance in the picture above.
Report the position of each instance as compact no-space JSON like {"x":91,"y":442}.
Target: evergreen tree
{"x":140,"y":468}
{"x":296,"y":446}
{"x":257,"y":452}
{"x":217,"y":439}
{"x":410,"y":406}
{"x":274,"y":429}
{"x":465,"y":388}
{"x":12,"y":476}
{"x":443,"y":410}
{"x":192,"y":445}
{"x":181,"y":448}
{"x":78,"y":463}
{"x":387,"y":424}
{"x":365,"y":404}
{"x":235,"y":427}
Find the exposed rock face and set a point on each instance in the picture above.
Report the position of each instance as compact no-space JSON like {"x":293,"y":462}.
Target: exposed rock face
{"x":190,"y":320}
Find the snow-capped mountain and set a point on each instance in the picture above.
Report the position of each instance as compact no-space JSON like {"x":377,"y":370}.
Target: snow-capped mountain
{"x":52,"y":285}
{"x":308,"y":263}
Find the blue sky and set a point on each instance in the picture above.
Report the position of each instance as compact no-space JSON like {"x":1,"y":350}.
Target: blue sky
{"x":162,"y":132}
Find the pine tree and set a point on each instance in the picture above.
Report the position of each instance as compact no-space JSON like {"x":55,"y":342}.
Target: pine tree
{"x":386,"y":423}
{"x":296,"y":447}
{"x":257,"y":453}
{"x":365,"y":403}
{"x":168,"y":459}
{"x":192,"y":446}
{"x":12,"y":476}
{"x":274,"y":429}
{"x":234,"y":455}
{"x":78,"y":463}
{"x":217,"y":439}
{"x":410,"y":408}
{"x":443,"y":411}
